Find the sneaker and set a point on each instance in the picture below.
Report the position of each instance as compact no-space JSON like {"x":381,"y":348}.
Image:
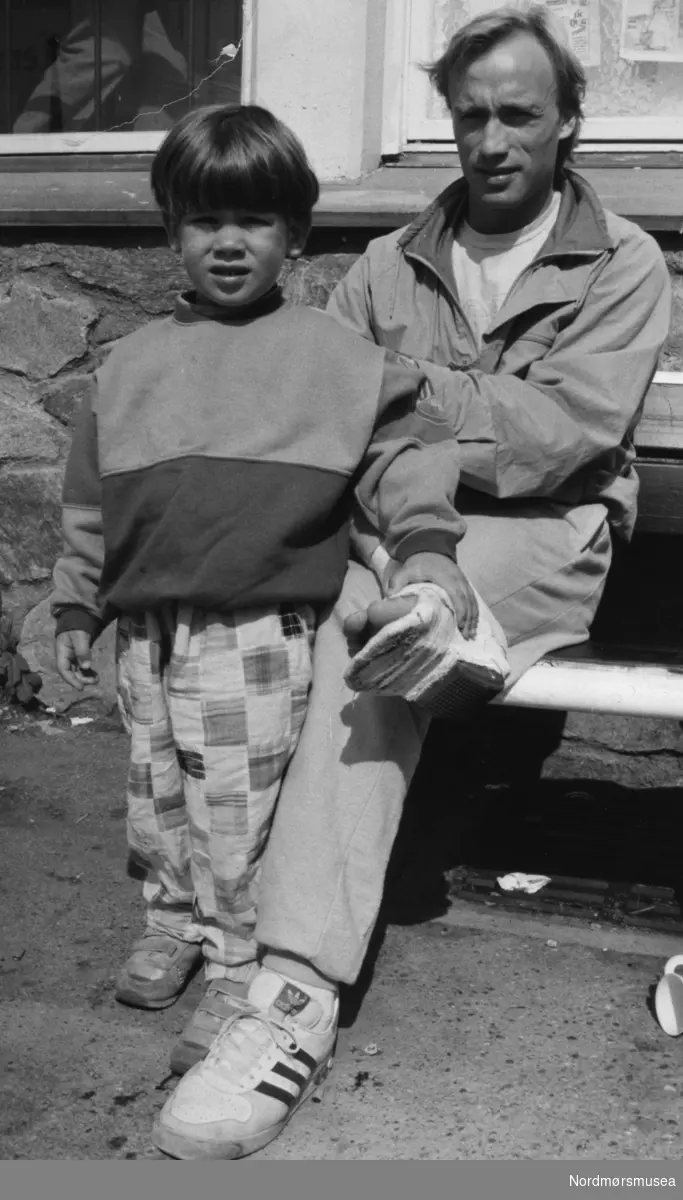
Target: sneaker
{"x":424,"y":657}
{"x":259,"y":1070}
{"x":223,"y":999}
{"x":157,"y":970}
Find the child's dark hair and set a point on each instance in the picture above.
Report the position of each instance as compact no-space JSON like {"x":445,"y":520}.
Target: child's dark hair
{"x":238,"y":157}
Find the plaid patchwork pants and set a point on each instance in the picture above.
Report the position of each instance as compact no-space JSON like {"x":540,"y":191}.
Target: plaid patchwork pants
{"x":214,"y":704}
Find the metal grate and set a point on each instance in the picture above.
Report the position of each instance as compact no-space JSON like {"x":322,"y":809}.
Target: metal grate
{"x":632,"y":905}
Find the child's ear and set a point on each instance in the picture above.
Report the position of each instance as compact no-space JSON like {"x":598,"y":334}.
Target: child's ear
{"x":173,"y":237}
{"x":298,"y":233}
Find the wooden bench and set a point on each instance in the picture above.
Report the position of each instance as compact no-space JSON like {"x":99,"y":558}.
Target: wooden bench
{"x":644,"y":679}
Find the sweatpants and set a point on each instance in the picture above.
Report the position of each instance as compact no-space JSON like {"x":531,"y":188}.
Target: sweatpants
{"x":542,"y":572}
{"x":214,"y":704}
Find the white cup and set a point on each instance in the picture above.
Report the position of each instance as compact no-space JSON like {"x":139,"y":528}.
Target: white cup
{"x":669,"y":997}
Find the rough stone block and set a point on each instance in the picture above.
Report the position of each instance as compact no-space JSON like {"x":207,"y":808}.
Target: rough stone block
{"x":624,"y":735}
{"x":27,"y":434}
{"x":19,"y":598}
{"x":116,"y":323}
{"x":37,"y":646}
{"x":30,"y":523}
{"x":311,"y":280}
{"x":576,"y":761}
{"x":64,"y":399}
{"x":42,"y":330}
{"x":18,"y":389}
{"x":148,"y":276}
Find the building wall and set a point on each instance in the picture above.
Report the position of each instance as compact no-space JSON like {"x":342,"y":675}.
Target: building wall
{"x":324,"y":78}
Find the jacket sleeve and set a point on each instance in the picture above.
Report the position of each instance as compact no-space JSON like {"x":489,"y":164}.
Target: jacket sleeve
{"x":411,"y":471}
{"x":76,"y":576}
{"x":350,"y":302}
{"x":524,"y":436}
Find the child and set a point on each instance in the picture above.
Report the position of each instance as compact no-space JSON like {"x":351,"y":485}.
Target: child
{"x":206,"y":509}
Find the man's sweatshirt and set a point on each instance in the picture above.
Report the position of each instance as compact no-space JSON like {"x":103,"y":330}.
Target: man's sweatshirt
{"x":215,"y":462}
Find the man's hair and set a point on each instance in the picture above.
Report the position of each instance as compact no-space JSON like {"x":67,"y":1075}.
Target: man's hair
{"x":221,"y":157}
{"x":482,"y":33}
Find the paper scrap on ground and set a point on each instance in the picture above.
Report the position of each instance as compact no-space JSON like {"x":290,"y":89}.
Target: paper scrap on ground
{"x":517,"y":881}
{"x":81,"y":720}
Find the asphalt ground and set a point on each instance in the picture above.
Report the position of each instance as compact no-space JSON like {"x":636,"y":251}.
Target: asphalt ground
{"x":473,"y":1034}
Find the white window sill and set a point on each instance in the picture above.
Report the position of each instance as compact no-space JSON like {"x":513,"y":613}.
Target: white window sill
{"x":95,"y":194}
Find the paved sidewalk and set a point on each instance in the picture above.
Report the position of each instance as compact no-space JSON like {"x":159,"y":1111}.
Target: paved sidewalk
{"x":480,"y":1035}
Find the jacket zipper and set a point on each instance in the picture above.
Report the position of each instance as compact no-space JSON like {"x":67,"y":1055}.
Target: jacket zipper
{"x":451,"y":295}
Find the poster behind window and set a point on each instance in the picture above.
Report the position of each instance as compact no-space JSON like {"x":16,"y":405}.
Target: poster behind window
{"x":580,"y":20}
{"x":651,"y":31}
{"x":631,"y":50}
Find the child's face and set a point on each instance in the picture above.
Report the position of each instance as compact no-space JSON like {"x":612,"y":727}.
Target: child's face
{"x":233,"y":256}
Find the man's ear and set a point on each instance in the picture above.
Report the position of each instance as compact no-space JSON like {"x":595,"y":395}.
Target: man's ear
{"x":298,"y":233}
{"x":567,"y":127}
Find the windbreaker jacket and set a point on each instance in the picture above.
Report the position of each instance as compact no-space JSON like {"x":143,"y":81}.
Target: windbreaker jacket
{"x":547,"y":410}
{"x":215,"y":462}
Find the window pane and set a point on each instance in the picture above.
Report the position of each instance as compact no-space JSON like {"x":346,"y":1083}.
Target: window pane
{"x":632,"y":51}
{"x":82,"y":65}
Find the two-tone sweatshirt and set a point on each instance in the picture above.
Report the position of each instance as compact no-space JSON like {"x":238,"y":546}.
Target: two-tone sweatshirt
{"x":215,"y":463}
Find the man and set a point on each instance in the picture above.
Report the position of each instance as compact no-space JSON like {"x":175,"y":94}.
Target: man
{"x":544,"y":316}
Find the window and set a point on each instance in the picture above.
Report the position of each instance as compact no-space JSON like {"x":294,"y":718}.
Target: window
{"x":632,"y":51}
{"x":122,"y":69}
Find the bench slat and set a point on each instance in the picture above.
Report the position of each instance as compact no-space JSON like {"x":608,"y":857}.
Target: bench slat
{"x":661,"y":427}
{"x":636,"y":691}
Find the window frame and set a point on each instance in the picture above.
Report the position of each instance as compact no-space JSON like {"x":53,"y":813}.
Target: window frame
{"x":407,"y":40}
{"x":131,"y":142}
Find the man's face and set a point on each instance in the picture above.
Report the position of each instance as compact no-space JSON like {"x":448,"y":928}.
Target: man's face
{"x":507,"y":129}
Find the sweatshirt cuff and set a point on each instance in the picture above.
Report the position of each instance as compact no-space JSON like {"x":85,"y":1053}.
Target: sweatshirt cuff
{"x":78,"y":618}
{"x":430,"y":541}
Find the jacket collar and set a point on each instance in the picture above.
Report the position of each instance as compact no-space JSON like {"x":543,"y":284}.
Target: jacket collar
{"x":581,"y":227}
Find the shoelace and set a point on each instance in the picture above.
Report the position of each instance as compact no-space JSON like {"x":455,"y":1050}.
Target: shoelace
{"x":241,"y":1043}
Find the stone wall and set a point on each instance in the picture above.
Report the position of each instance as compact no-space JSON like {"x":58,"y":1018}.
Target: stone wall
{"x":64,"y":300}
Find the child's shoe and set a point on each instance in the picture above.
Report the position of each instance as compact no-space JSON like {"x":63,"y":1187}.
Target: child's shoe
{"x":259,"y":1070}
{"x":223,"y":998}
{"x":157,"y":970}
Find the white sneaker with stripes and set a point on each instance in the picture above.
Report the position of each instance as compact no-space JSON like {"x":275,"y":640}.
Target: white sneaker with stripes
{"x":259,"y":1070}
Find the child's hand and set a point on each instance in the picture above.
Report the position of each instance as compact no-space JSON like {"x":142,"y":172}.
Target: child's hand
{"x":74,"y":662}
{"x":426,"y":567}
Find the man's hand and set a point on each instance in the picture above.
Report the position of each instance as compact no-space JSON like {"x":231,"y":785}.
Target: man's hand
{"x":73,"y":656}
{"x":420,"y":568}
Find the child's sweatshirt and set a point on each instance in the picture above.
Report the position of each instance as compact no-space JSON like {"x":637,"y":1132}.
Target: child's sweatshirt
{"x":215,"y":462}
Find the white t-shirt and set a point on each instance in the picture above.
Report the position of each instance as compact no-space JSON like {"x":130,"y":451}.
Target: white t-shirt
{"x":486,"y":265}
